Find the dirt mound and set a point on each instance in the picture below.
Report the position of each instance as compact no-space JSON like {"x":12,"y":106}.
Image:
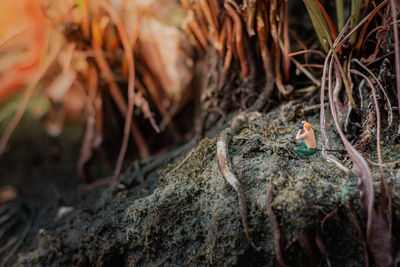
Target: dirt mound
{"x":191,"y":216}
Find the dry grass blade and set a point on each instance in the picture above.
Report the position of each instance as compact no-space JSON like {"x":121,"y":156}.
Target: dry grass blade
{"x":340,"y":14}
{"x":389,"y":106}
{"x":385,"y":205}
{"x":212,"y":22}
{"x":278,"y":75}
{"x":131,"y":80}
{"x":191,"y":35}
{"x":29,"y":91}
{"x":317,"y":52}
{"x":222,"y":40}
{"x":306,"y":72}
{"x":302,"y":67}
{"x":214,"y":13}
{"x":286,"y":41}
{"x":318,"y":22}
{"x":229,"y":52}
{"x":251,"y":12}
{"x":378,"y":230}
{"x":378,"y":119}
{"x":108,"y":75}
{"x":274,"y":31}
{"x":226,"y":169}
{"x":355,"y":17}
{"x":266,"y":58}
{"x":275,"y":226}
{"x":200,"y":16}
{"x":327,"y":19}
{"x":118,"y":98}
{"x":324,"y":136}
{"x":393,"y":7}
{"x":238,"y":32}
{"x":366,"y":20}
{"x":194,"y":26}
{"x":360,"y":166}
{"x":334,"y":48}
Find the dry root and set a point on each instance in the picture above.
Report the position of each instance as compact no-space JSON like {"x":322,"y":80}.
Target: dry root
{"x":276,"y":229}
{"x":227,"y":171}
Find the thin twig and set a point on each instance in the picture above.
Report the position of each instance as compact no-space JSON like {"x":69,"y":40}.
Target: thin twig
{"x":306,"y":72}
{"x":317,"y":66}
{"x":306,"y":51}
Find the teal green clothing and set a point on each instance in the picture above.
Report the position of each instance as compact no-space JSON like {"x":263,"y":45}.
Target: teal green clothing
{"x":303,"y":151}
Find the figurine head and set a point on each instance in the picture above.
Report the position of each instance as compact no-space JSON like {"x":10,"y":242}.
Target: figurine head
{"x":307,"y":126}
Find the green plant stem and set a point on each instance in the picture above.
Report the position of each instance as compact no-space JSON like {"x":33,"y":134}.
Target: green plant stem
{"x":355,"y":18}
{"x":328,"y":39}
{"x":340,"y":14}
{"x":318,"y":21}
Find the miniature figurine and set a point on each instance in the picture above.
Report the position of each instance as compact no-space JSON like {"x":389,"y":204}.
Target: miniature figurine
{"x":308,"y":143}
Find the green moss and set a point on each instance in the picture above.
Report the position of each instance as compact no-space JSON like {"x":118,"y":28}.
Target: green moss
{"x":192,"y":216}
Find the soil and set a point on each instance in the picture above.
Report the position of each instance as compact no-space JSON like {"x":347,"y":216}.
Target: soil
{"x":178,"y":209}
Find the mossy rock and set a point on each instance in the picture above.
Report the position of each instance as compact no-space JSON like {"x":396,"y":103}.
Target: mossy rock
{"x":191,"y":216}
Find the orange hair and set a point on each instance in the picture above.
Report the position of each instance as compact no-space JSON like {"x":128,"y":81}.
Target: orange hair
{"x":307,"y":126}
